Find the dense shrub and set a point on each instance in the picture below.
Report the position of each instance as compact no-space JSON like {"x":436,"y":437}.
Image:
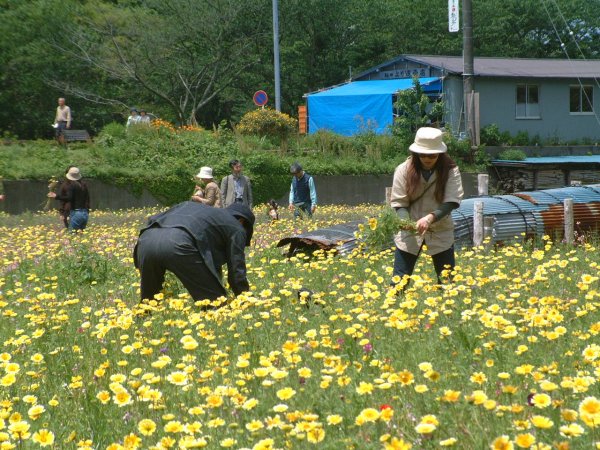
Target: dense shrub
{"x":491,"y":135}
{"x":267,"y":122}
{"x":512,"y":154}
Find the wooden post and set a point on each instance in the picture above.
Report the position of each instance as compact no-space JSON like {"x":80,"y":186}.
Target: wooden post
{"x":483,"y":181}
{"x":478,"y":223}
{"x":388,"y":195}
{"x":569,"y":222}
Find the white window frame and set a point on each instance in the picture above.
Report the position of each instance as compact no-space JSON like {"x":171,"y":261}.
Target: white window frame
{"x":527,"y":116}
{"x":580,"y":87}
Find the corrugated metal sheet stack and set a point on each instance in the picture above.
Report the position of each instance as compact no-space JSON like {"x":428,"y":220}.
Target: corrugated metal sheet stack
{"x":529,"y":214}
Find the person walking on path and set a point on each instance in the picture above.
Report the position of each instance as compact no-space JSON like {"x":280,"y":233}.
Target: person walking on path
{"x":207,"y":191}
{"x":78,"y":197}
{"x":426,"y":188}
{"x":62,"y":120}
{"x":236,"y":188}
{"x":303,"y":194}
{"x":194,"y":241}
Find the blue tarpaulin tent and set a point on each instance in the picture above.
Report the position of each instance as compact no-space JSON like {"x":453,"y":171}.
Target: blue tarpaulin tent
{"x":350,"y":108}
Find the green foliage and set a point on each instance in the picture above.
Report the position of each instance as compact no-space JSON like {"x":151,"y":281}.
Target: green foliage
{"x":415,"y":111}
{"x":461,"y":151}
{"x":491,"y":135}
{"x":512,"y":154}
{"x":268,"y":122}
{"x":379,"y":232}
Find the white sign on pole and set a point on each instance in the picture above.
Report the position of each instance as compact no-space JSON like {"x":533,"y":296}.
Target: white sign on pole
{"x":453,"y":21}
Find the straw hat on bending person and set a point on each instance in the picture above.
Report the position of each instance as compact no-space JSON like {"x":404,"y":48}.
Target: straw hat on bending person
{"x":207,"y":191}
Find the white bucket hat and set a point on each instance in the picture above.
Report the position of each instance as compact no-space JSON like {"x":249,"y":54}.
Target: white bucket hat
{"x":205,"y":173}
{"x":73,"y":174}
{"x":428,"y":141}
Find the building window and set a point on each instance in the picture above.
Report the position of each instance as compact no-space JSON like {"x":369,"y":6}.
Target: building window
{"x":528,"y":101}
{"x":581,"y":99}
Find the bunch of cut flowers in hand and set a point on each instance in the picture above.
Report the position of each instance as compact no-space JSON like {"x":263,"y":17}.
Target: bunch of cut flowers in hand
{"x":379,"y":231}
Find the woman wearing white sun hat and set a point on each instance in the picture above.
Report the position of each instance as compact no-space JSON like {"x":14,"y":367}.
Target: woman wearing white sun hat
{"x":426,"y":188}
{"x":207,"y":191}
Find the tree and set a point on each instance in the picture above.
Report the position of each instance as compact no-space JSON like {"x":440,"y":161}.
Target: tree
{"x":182,"y":52}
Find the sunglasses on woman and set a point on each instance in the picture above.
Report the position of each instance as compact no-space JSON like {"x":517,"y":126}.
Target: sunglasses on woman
{"x":424,"y":156}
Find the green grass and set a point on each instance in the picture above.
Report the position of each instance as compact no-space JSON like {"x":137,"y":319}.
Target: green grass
{"x":519,"y":320}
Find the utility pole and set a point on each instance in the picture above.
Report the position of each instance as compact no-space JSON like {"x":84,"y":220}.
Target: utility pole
{"x":276,"y":55}
{"x":468,"y":70}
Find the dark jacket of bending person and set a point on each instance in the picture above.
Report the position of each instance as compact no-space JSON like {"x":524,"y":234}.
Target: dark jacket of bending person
{"x":194,"y":241}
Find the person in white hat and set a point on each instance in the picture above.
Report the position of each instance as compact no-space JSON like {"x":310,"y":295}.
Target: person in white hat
{"x":77,"y":197}
{"x":207,"y":191}
{"x":426,"y":188}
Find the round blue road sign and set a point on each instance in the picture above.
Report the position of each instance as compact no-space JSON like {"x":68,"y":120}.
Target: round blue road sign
{"x":260,"y":98}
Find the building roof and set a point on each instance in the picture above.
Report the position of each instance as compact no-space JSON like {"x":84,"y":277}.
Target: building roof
{"x":378,"y":87}
{"x":589,"y":161}
{"x":505,"y":67}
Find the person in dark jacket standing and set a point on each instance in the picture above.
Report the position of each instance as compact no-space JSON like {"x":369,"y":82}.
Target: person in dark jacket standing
{"x":303,"y":194}
{"x":194,"y":241}
{"x":77,"y":197}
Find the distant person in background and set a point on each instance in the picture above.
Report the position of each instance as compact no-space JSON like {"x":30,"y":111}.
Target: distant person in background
{"x":1,"y":190}
{"x":303,"y":194}
{"x":207,"y":191}
{"x":426,"y":188}
{"x":78,"y":198}
{"x":236,"y":188}
{"x":133,"y":118}
{"x":144,"y":118}
{"x":62,"y":120}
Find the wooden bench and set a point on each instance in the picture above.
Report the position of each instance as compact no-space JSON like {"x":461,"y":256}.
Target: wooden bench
{"x":77,"y":136}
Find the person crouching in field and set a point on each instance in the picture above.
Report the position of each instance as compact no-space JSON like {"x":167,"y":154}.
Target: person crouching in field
{"x":426,"y":188}
{"x":194,"y":241}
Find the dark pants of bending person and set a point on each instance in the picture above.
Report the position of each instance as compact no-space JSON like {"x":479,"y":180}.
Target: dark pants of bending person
{"x":172,"y":249}
{"x":404,"y":262}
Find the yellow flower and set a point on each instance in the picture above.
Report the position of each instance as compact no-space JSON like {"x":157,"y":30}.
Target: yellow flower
{"x":478,"y":378}
{"x":178,"y":378}
{"x":425,"y":428}
{"x":103,"y":396}
{"x":214,"y":401}
{"x":334,"y":419}
{"x":43,"y":437}
{"x":286,"y":393}
{"x":228,"y":442}
{"x":450,"y":396}
{"x":541,"y":422}
{"x":571,"y":430}
{"x":315,"y":435}
{"x":525,"y":440}
{"x":589,"y":411}
{"x":367,"y":415}
{"x":541,"y":400}
{"x":502,"y":443}
{"x":397,"y":444}
{"x":364,"y":388}
{"x":254,"y":425}
{"x":122,"y":398}
{"x":174,"y":426}
{"x":35,"y":412}
{"x":146,"y":427}
{"x":405,"y":377}
{"x":448,"y":442}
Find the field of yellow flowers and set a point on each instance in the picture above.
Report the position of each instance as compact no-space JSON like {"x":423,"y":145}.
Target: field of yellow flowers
{"x":507,"y":357}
